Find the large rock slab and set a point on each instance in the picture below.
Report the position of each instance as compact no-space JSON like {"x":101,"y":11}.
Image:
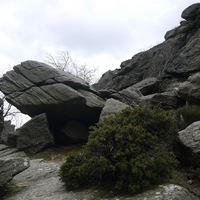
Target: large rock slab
{"x":167,"y":100}
{"x":130,"y":96}
{"x":187,"y":148}
{"x":34,"y":135}
{"x":12,"y":162}
{"x":147,"y":86}
{"x":34,"y":88}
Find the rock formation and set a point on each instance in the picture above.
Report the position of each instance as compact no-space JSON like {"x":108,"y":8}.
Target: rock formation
{"x":187,"y":148}
{"x":12,"y":162}
{"x":34,"y":135}
{"x":63,"y":106}
{"x":177,"y":57}
{"x":36,"y":88}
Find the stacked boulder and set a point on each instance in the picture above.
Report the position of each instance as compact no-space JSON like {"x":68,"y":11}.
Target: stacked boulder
{"x":52,"y":98}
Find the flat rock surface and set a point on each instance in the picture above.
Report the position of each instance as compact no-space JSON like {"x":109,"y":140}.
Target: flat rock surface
{"x":12,"y":162}
{"x":41,"y":182}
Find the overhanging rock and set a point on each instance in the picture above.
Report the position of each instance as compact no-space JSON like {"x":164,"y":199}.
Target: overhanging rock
{"x":34,"y":88}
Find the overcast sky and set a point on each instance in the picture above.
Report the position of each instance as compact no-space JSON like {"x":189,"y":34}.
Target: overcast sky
{"x":99,"y":33}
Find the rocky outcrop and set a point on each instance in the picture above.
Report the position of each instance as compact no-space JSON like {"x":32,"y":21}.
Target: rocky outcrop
{"x":129,"y":96}
{"x":34,"y":135}
{"x":12,"y":162}
{"x":176,"y":57}
{"x":34,"y":88}
{"x":187,"y":148}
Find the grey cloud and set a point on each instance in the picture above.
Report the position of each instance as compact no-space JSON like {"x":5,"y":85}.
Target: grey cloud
{"x":42,"y":24}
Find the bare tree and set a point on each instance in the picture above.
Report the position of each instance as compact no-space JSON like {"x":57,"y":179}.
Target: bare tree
{"x":62,"y":60}
{"x":10,"y":113}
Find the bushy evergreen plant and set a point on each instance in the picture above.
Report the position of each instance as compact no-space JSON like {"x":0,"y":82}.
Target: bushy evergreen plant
{"x":188,"y":114}
{"x":126,"y":150}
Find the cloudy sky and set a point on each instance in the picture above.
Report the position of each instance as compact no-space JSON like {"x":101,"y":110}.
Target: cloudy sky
{"x":99,"y":33}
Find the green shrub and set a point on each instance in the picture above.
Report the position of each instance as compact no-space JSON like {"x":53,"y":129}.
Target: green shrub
{"x":126,"y":150}
{"x":186,"y":115}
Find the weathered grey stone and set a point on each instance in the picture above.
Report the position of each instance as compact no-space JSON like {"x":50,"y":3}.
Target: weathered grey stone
{"x":150,"y":63}
{"x":186,"y":59}
{"x":187,"y":148}
{"x":106,"y":80}
{"x":167,"y":100}
{"x":147,"y":86}
{"x":12,"y":162}
{"x":130,"y":96}
{"x":190,"y":89}
{"x":73,"y":132}
{"x":39,"y":169}
{"x":191,"y":12}
{"x":34,"y":135}
{"x":112,"y":106}
{"x":12,"y":139}
{"x":36,"y":88}
{"x":175,"y":31}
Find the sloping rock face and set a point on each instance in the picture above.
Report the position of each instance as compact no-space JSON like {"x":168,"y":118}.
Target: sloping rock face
{"x":178,"y":56}
{"x":12,"y":162}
